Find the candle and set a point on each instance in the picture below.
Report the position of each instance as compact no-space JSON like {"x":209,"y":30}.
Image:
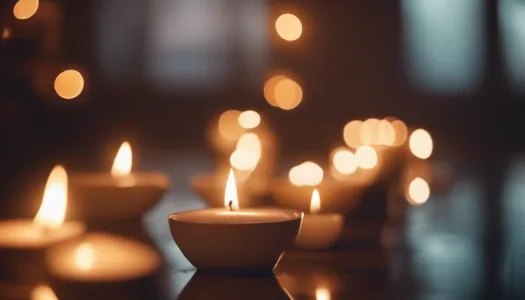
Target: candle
{"x":22,"y":242}
{"x":234,"y":240}
{"x":102,"y":257}
{"x":120,"y":194}
{"x":319,"y":231}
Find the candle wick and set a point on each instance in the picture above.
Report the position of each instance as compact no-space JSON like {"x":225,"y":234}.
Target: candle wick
{"x":230,"y":204}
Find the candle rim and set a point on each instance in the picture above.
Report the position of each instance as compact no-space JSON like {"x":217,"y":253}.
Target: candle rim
{"x":291,"y":215}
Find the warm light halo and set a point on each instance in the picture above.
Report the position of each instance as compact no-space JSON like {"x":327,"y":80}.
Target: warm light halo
{"x":52,"y":211}
{"x":69,"y":84}
{"x":123,"y":160}
{"x":344,"y":161}
{"x":421,"y":144}
{"x":322,"y":293}
{"x":43,"y":292}
{"x":418,"y":191}
{"x":249,"y":119}
{"x":366,"y":157}
{"x":85,"y":257}
{"x":25,"y":9}
{"x":352,"y":134}
{"x":289,"y":27}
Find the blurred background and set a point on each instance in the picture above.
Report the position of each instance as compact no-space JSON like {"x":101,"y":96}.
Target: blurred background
{"x":157,"y":72}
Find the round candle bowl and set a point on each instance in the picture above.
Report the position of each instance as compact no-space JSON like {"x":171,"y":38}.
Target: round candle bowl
{"x":244,"y":247}
{"x":211,"y":189}
{"x":337,"y":197}
{"x":101,"y":196}
{"x":319,"y":231}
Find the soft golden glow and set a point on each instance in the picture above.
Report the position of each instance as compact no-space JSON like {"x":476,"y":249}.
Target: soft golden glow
{"x":289,"y":27}
{"x":418,"y":191}
{"x":366,"y":157}
{"x":85,"y":257}
{"x":69,"y":84}
{"x":229,"y":127}
{"x":25,"y":9}
{"x":6,"y":33}
{"x":306,"y":174}
{"x":401,"y":132}
{"x":43,"y":292}
{"x":269,"y":89}
{"x":369,"y":132}
{"x":288,"y":94}
{"x":344,"y":161}
{"x":421,"y":144}
{"x":386,"y":133}
{"x":352,"y":134}
{"x":54,"y":203}
{"x":249,"y":119}
{"x":247,"y":153}
{"x":123,"y":161}
{"x":315,"y":203}
{"x":230,"y":192}
{"x":322,"y":294}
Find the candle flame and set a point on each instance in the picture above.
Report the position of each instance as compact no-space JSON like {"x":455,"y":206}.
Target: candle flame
{"x":418,"y":191}
{"x":322,"y":293}
{"x":123,"y":161}
{"x":43,"y":292}
{"x":306,"y":174}
{"x":230,"y":193}
{"x":315,"y":204}
{"x":421,"y":144}
{"x":85,"y":257}
{"x":54,"y":203}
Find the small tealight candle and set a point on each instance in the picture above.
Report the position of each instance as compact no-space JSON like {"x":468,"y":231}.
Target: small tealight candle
{"x":234,"y":240}
{"x":319,"y":230}
{"x":120,"y":194}
{"x":102,"y":258}
{"x":23,"y":242}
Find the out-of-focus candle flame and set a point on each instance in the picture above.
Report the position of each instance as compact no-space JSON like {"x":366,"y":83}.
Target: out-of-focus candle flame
{"x":6,"y":33}
{"x":315,"y":203}
{"x":230,"y":192}
{"x":344,"y":161}
{"x":25,"y":9}
{"x":387,"y":133}
{"x":288,"y":94}
{"x":249,"y":119}
{"x":289,"y":27}
{"x":54,"y":203}
{"x":247,"y":153}
{"x":69,"y":84}
{"x":366,"y":157}
{"x":369,"y":132}
{"x":322,"y":294}
{"x":229,"y":127}
{"x":123,"y":161}
{"x":351,"y":134}
{"x":43,"y":292}
{"x":269,"y":89}
{"x":418,"y":191}
{"x":421,"y":144}
{"x":85,"y":257}
{"x":401,"y":132}
{"x":306,"y":174}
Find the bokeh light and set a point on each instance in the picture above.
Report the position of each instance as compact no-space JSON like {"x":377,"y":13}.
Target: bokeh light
{"x":386,"y":133}
{"x":229,"y":127}
{"x":6,"y":33}
{"x":344,"y":161}
{"x":288,"y":94}
{"x":421,"y":144}
{"x":69,"y":84}
{"x":306,"y":174}
{"x":418,"y":191}
{"x":401,"y":132}
{"x":247,"y":153}
{"x":289,"y":27}
{"x":25,"y":9}
{"x":249,"y":119}
{"x":269,"y":89}
{"x":43,"y":292}
{"x":366,"y":157}
{"x":369,"y":132}
{"x":352,"y":134}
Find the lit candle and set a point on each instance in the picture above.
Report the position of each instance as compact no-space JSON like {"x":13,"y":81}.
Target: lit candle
{"x":22,"y":242}
{"x":234,"y":239}
{"x":319,"y":231}
{"x":120,"y":194}
{"x":101,"y":257}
